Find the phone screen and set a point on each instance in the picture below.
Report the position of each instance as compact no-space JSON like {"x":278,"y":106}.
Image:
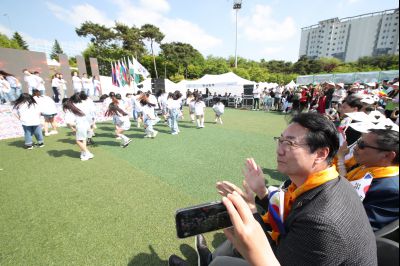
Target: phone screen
{"x":201,"y":219}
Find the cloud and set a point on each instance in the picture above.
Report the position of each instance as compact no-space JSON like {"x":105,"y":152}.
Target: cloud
{"x":79,"y":14}
{"x":71,"y":48}
{"x":185,"y":31}
{"x":174,"y":29}
{"x":155,"y":5}
{"x":153,"y":12}
{"x":5,"y":30}
{"x":261,"y":26}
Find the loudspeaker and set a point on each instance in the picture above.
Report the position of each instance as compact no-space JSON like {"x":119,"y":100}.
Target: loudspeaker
{"x":157,"y":85}
{"x":248,"y":90}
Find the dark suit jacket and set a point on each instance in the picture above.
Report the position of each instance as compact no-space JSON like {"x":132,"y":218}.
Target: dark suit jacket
{"x":382,"y":201}
{"x":327,"y":226}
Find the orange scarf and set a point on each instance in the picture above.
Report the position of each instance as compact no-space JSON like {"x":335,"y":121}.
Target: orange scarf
{"x":376,"y":172}
{"x":314,"y":180}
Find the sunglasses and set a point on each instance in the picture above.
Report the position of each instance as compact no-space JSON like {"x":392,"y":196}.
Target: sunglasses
{"x":362,"y":145}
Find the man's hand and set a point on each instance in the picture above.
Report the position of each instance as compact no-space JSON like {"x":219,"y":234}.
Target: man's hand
{"x":343,"y":151}
{"x":255,"y":178}
{"x":246,"y":234}
{"x":224,"y":188}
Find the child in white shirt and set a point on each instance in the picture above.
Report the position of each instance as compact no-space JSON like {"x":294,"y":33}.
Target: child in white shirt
{"x":173,"y":106}
{"x":149,"y":117}
{"x":49,"y":112}
{"x":28,"y":112}
{"x":219,"y":109}
{"x":121,"y":122}
{"x":199,"y":107}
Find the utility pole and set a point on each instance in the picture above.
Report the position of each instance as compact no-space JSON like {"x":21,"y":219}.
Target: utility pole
{"x":237,"y":5}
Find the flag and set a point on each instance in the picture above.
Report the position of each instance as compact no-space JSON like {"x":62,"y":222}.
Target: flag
{"x":124,"y":73}
{"x":118,"y":74}
{"x":113,"y":80}
{"x":139,"y":69}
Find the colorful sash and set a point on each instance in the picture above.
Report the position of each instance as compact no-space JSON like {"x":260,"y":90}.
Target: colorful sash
{"x":281,"y":200}
{"x":376,"y":172}
{"x":361,"y":177}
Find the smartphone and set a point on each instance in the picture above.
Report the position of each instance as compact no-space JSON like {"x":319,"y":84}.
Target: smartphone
{"x":202,"y":218}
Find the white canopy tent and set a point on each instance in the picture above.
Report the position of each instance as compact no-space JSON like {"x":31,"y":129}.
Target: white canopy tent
{"x":291,"y":85}
{"x":220,"y":84}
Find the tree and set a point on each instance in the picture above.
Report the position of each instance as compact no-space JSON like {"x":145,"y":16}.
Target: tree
{"x":21,"y":42}
{"x":56,"y":50}
{"x":8,"y":43}
{"x":100,"y":35}
{"x":182,"y":55}
{"x":131,"y":38}
{"x":152,"y":34}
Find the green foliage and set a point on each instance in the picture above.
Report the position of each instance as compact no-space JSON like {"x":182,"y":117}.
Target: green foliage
{"x":100,"y":35}
{"x":182,"y":55}
{"x":177,"y":60}
{"x":56,"y":50}
{"x":72,"y":62}
{"x":5,"y":42}
{"x":152,"y":34}
{"x":177,"y":77}
{"x":131,"y":39}
{"x":21,"y":42}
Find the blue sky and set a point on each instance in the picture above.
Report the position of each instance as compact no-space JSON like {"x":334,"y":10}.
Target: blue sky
{"x":267,"y":29}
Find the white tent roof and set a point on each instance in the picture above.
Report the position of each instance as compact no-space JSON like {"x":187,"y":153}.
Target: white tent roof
{"x":227,"y":79}
{"x":291,"y":84}
{"x":228,"y":82}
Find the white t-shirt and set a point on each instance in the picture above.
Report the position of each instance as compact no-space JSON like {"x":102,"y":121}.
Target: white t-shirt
{"x":4,"y":86}
{"x":46,"y":104}
{"x":29,"y":116}
{"x":199,"y":108}
{"x":219,"y":108}
{"x":55,"y":82}
{"x":153,"y":99}
{"x":31,"y":81}
{"x":62,"y":84}
{"x":87,"y":83}
{"x":77,"y":83}
{"x":148,"y":112}
{"x":138,"y":105}
{"x":13,"y":81}
{"x":256,"y":93}
{"x":40,"y":83}
{"x":173,"y":104}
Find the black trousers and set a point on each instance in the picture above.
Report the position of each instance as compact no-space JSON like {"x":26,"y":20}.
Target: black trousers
{"x":256,"y":103}
{"x":56,"y":94}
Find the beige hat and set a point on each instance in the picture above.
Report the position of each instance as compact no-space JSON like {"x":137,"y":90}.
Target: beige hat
{"x":341,"y":85}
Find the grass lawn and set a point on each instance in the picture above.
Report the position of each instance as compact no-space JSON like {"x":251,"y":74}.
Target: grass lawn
{"x":118,"y":208}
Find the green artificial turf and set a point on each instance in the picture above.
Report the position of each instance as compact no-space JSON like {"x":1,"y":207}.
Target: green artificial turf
{"x":118,"y":208}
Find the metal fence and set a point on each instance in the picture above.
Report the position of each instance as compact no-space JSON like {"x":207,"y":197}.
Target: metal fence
{"x":348,"y":78}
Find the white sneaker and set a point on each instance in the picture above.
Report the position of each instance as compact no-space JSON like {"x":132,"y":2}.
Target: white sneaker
{"x":47,"y":134}
{"x":53,"y":132}
{"x":86,"y":156}
{"x":147,"y":136}
{"x":154,"y":134}
{"x":126,"y":143}
{"x":118,"y":138}
{"x":174,"y":133}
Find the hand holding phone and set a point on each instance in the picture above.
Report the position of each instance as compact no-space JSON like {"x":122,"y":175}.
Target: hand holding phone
{"x":201,"y":219}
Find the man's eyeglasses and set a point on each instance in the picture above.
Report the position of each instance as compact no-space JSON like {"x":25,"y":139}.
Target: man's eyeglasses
{"x":288,"y":144}
{"x":362,"y":145}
